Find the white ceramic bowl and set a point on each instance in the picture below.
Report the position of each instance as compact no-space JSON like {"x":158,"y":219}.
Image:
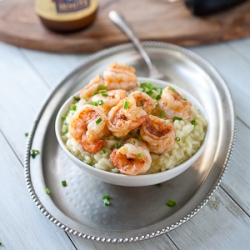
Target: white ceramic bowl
{"x":139,"y":180}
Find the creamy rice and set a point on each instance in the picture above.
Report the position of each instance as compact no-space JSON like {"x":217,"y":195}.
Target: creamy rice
{"x":189,"y":140}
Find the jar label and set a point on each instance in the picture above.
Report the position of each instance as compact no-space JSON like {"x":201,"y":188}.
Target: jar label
{"x":65,"y":10}
{"x":64,"y":6}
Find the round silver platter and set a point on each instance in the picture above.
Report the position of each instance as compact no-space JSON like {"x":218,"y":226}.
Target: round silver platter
{"x":135,"y":213}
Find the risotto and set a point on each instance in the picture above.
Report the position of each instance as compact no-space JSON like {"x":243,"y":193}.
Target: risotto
{"x":156,"y":136}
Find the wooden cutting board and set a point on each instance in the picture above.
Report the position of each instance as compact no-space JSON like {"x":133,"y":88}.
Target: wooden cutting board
{"x":157,"y":20}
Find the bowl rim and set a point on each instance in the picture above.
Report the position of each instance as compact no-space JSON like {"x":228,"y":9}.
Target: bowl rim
{"x":179,"y":168}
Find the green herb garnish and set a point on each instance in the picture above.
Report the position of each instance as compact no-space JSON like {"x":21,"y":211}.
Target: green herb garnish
{"x":140,"y":138}
{"x":34,"y":153}
{"x":117,"y":139}
{"x":162,"y":115}
{"x":64,"y":183}
{"x":94,"y":103}
{"x":85,"y":99}
{"x":64,"y":117}
{"x":133,"y":142}
{"x":171,"y":203}
{"x":98,"y":120}
{"x":76,"y":98}
{"x":102,"y":87}
{"x":141,"y":102}
{"x":177,"y":118}
{"x":47,"y":191}
{"x":194,"y":122}
{"x":73,"y":107}
{"x":100,"y":102}
{"x":102,"y":91}
{"x":177,"y":138}
{"x":171,"y":88}
{"x":104,"y":94}
{"x":116,"y":145}
{"x":158,"y":97}
{"x":139,"y":155}
{"x":26,"y":134}
{"x":104,"y":137}
{"x":106,"y":199}
{"x":103,"y":150}
{"x":126,"y":103}
{"x":64,"y":130}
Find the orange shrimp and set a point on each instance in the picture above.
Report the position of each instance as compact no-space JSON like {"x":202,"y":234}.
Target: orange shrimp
{"x":88,"y":126}
{"x":158,"y":134}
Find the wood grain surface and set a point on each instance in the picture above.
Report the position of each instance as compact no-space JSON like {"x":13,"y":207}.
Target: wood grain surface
{"x":157,"y":20}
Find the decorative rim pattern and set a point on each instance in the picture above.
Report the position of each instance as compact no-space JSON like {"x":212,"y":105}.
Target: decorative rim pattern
{"x":141,"y":237}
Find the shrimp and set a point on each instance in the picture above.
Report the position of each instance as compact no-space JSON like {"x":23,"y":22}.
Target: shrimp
{"x":109,"y":99}
{"x":125,"y":116}
{"x":173,"y":104}
{"x":144,"y":101}
{"x":158,"y":134}
{"x":88,"y":126}
{"x":92,"y":87}
{"x":120,"y":77}
{"x":131,"y":159}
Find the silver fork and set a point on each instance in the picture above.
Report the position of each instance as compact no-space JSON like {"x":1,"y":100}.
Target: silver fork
{"x":120,"y":21}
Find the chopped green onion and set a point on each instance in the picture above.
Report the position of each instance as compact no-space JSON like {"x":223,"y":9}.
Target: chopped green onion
{"x":94,"y":103}
{"x":194,"y":122}
{"x":26,"y":134}
{"x":184,"y":99}
{"x":117,"y":139}
{"x":122,"y":144}
{"x":133,"y":142}
{"x":64,"y":117}
{"x":85,"y":99}
{"x":64,"y":183}
{"x":116,"y":145}
{"x":101,"y":87}
{"x":47,"y":190}
{"x":105,"y":199}
{"x":158,"y":97}
{"x":89,"y":163}
{"x":171,"y":203}
{"x":139,"y":155}
{"x":149,"y":92}
{"x":160,"y":91}
{"x":106,"y":202}
{"x":171,"y":88}
{"x":177,"y":118}
{"x":76,"y":98}
{"x":141,"y":102}
{"x":126,"y":103}
{"x":102,"y":91}
{"x":98,"y":120}
{"x":1,"y":243}
{"x":159,"y":185}
{"x":104,"y":94}
{"x":157,"y":104}
{"x":103,"y":150}
{"x":100,"y":102}
{"x":177,"y":138}
{"x":140,"y":138}
{"x":162,"y":115}
{"x":64,"y":130}
{"x":34,"y":153}
{"x":73,"y":107}
{"x":95,"y":93}
{"x":146,"y":85}
{"x":106,"y":196}
{"x":104,"y":137}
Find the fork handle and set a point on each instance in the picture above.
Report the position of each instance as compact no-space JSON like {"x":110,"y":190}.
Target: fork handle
{"x":120,"y":21}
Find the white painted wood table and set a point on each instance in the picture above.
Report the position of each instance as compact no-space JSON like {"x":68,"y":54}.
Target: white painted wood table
{"x":26,"y":78}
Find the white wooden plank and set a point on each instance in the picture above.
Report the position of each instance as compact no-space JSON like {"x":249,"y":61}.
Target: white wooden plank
{"x":242,"y":46}
{"x":220,"y":225}
{"x":237,"y":179}
{"x":22,"y":225}
{"x":22,"y":93}
{"x":52,"y":66}
{"x":234,"y":69}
